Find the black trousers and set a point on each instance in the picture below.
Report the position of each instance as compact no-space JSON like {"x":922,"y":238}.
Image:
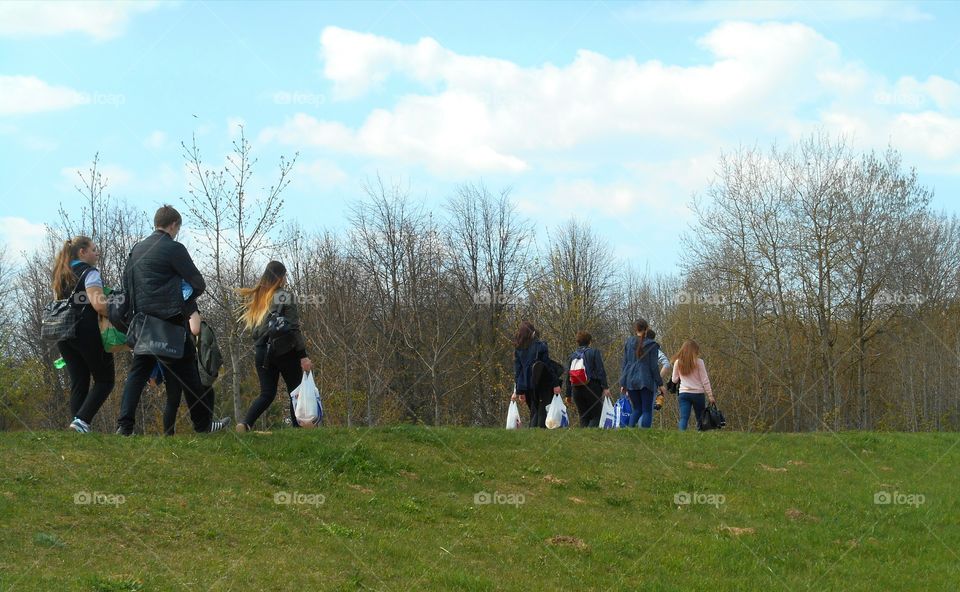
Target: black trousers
{"x":174,"y":396}
{"x":589,"y":401}
{"x":287,"y":366}
{"x":86,"y":358}
{"x":540,"y":396}
{"x":184,"y":371}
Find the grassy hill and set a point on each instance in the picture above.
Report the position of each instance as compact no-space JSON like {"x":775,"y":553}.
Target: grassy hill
{"x":403,"y":508}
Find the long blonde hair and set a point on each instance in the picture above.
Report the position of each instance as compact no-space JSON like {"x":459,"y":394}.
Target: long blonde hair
{"x":686,"y":358}
{"x":256,"y":301}
{"x":64,"y":279}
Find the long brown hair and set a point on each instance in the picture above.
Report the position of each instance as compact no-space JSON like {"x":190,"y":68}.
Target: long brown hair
{"x":525,"y":335}
{"x":686,"y":358}
{"x":640,"y":327}
{"x":64,"y":279}
{"x":256,"y":301}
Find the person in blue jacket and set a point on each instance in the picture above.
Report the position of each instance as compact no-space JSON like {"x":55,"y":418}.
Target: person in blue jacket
{"x":640,"y":374}
{"x":536,"y":376}
{"x":588,"y":396}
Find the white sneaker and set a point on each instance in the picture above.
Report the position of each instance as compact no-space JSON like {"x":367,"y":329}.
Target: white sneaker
{"x":80,"y":426}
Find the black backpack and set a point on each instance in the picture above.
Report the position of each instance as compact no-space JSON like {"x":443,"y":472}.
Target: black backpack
{"x":119,"y":308}
{"x":713,"y":418}
{"x":281,"y":334}
{"x":209,"y":356}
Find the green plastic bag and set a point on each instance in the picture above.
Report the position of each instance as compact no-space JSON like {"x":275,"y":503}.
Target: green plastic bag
{"x":113,"y":340}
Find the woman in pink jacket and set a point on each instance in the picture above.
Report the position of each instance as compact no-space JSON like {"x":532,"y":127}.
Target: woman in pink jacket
{"x":691,"y":373}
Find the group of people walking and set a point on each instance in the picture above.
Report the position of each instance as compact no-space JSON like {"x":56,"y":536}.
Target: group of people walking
{"x":160,"y":288}
{"x":161,"y":285}
{"x":643,"y":377}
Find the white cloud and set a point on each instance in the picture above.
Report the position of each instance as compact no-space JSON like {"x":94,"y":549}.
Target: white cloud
{"x":489,"y":115}
{"x":28,"y":94}
{"x":768,"y":10}
{"x":156,"y":140}
{"x":20,"y":235}
{"x":98,"y":19}
{"x":477,"y":114}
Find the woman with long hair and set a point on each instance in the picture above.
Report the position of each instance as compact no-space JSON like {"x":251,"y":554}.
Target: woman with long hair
{"x":690,"y":371}
{"x":75,"y":276}
{"x":535,"y":378}
{"x":273,"y":359}
{"x":640,"y":374}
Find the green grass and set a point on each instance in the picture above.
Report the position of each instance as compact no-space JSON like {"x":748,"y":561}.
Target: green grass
{"x":394,"y":508}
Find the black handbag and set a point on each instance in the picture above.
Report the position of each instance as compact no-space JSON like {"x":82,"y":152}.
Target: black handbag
{"x":713,"y":418}
{"x":150,"y":336}
{"x":60,"y":317}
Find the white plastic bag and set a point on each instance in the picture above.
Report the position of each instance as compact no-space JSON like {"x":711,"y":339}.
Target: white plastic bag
{"x":608,"y":416}
{"x":557,"y":414}
{"x":513,"y":417}
{"x":306,"y":402}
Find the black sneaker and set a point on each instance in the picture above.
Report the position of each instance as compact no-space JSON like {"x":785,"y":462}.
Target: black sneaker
{"x":123,"y":432}
{"x":219,"y":424}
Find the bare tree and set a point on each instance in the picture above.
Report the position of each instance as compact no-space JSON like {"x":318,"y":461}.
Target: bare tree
{"x":237,"y":222}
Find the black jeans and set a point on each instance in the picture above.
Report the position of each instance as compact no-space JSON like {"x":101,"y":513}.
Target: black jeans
{"x":184,"y":371}
{"x":287,"y":366}
{"x":589,"y":401}
{"x":85,"y":357}
{"x":174,"y":395}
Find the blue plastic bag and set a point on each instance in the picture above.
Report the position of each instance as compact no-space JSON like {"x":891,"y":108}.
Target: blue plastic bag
{"x":622,"y":412}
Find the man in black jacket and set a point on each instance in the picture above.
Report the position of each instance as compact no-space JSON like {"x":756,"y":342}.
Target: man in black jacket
{"x":154,"y":281}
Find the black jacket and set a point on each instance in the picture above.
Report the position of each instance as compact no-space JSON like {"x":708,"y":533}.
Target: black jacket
{"x":153,"y":273}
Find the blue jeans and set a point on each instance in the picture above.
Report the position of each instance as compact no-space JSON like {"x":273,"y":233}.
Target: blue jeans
{"x":696,"y":400}
{"x":642,"y":403}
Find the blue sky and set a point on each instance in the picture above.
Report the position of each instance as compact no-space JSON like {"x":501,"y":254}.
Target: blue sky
{"x":612,"y":111}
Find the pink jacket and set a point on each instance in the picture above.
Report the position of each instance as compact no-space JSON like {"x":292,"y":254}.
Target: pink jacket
{"x":696,"y":382}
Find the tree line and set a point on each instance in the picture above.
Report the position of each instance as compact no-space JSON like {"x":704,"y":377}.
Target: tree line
{"x":819,"y":281}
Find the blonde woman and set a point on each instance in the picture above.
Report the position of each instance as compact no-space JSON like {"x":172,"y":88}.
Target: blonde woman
{"x":284,"y":355}
{"x":75,"y":272}
{"x":690,"y":371}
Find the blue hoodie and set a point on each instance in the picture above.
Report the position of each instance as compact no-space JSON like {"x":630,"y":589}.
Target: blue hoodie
{"x":640,"y":373}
